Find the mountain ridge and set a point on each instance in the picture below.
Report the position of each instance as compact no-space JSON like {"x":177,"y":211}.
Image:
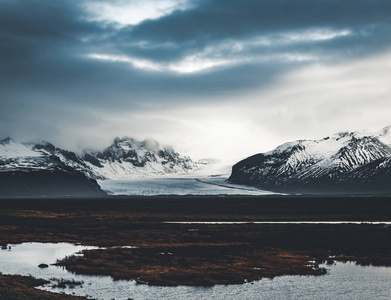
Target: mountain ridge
{"x":132,"y":157}
{"x":127,"y":157}
{"x":344,"y":162}
{"x":21,"y":164}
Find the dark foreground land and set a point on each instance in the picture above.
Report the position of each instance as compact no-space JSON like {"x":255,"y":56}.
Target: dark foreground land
{"x":198,"y":254}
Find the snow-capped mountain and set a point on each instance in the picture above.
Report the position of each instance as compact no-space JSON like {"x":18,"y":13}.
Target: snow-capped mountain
{"x":127,"y":158}
{"x":348,"y":161}
{"x":43,"y":170}
{"x":43,"y":156}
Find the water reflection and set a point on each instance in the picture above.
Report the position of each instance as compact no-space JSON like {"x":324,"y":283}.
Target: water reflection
{"x":33,"y":254}
{"x":343,"y":281}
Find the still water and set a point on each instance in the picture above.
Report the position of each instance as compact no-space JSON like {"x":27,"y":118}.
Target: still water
{"x":343,"y":281}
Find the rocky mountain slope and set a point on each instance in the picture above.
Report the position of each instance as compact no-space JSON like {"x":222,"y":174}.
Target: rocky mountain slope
{"x":352,"y":162}
{"x":127,"y":158}
{"x":41,"y":170}
{"x":44,"y":170}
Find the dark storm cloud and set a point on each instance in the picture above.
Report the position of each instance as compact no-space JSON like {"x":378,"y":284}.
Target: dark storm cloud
{"x":217,"y":19}
{"x":44,"y":44}
{"x":42,"y":56}
{"x":44,"y":70}
{"x":38,"y":40}
{"x":42,"y":19}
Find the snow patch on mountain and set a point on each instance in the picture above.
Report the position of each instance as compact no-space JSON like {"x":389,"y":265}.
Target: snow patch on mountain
{"x":385,"y":135}
{"x":128,"y":158}
{"x":125,"y":158}
{"x":11,"y":149}
{"x":336,"y":160}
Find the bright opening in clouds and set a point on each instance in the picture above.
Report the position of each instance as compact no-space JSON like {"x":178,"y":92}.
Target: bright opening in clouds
{"x":212,"y":78}
{"x":131,"y":12}
{"x":314,"y":35}
{"x":187,"y":65}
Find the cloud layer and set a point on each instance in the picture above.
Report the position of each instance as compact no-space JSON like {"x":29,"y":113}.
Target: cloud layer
{"x":79,"y":73}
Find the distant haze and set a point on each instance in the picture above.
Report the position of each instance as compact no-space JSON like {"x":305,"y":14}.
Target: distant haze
{"x":212,"y":78}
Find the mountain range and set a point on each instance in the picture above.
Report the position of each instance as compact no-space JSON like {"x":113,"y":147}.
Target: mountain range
{"x":29,"y":169}
{"x":347,"y":162}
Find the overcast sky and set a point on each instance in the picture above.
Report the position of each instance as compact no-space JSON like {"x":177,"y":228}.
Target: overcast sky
{"x":212,"y":78}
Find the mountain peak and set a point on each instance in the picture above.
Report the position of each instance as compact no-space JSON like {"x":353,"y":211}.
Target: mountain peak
{"x":128,"y":157}
{"x":44,"y":146}
{"x":11,"y":149}
{"x":128,"y":144}
{"x":386,"y":131}
{"x":6,"y":141}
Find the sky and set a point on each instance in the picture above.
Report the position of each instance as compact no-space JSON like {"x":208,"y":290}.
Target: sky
{"x":213,"y":78}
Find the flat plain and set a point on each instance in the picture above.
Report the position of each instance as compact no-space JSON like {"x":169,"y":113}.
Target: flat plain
{"x":169,"y":254}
